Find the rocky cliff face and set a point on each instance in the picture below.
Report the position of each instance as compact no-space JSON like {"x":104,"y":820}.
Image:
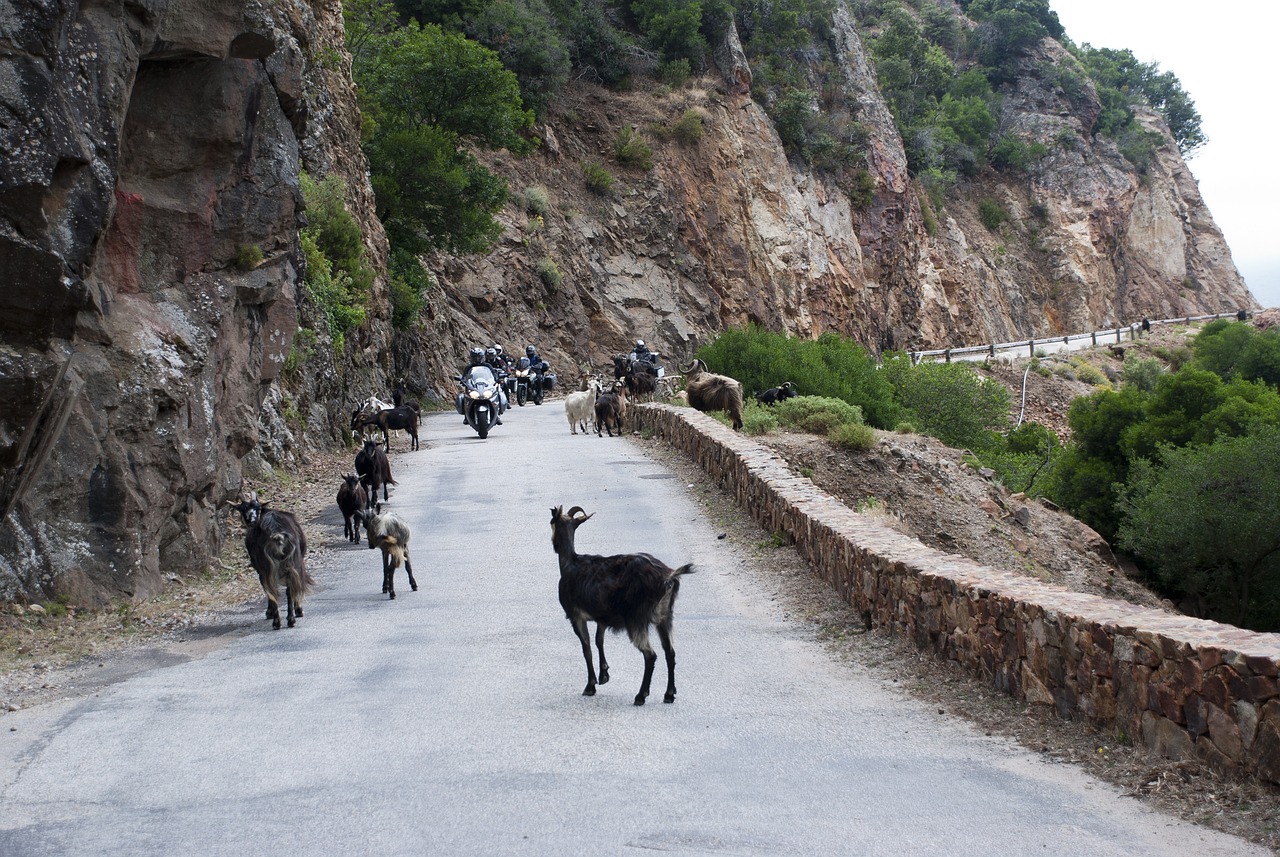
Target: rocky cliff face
{"x":152,"y":153}
{"x":727,"y":230}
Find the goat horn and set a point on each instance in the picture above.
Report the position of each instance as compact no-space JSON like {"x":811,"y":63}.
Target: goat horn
{"x":576,"y":509}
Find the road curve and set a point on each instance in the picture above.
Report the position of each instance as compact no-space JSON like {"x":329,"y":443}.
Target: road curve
{"x":451,"y":721}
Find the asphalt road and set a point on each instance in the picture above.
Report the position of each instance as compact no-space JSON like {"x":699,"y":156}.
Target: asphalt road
{"x":451,"y":722}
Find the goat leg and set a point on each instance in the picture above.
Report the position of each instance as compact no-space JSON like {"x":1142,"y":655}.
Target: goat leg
{"x":641,"y":640}
{"x":604,"y":665}
{"x":584,"y":637}
{"x":388,"y":576}
{"x":664,"y":634}
{"x":289,"y":612}
{"x":413,"y":584}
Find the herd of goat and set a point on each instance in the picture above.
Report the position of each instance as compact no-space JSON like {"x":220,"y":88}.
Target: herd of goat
{"x":626,"y":592}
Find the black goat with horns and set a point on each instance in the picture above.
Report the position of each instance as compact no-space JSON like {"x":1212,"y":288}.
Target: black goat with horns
{"x":626,"y":591}
{"x":277,"y":549}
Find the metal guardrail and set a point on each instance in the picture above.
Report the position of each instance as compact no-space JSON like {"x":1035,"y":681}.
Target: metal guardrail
{"x":1097,"y":337}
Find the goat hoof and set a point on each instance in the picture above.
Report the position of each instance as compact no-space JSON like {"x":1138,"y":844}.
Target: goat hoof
{"x":414,"y":587}
{"x":590,"y":691}
{"x":392,"y":595}
{"x":298,"y":612}
{"x":276,"y":624}
{"x":292,"y":622}
{"x":604,"y":677}
{"x":670,"y":697}
{"x":639,"y":699}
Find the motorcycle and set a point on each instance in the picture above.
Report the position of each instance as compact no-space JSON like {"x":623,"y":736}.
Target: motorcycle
{"x":528,"y":380}
{"x":480,"y":401}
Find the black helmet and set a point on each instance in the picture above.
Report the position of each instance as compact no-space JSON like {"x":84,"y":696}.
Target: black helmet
{"x":477,"y":356}
{"x":530,"y":350}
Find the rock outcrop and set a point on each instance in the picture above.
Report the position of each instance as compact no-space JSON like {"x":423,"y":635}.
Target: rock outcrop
{"x":728,"y":230}
{"x":149,"y":211}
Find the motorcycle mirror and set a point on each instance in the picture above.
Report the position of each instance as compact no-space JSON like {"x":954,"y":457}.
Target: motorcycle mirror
{"x":457,"y":377}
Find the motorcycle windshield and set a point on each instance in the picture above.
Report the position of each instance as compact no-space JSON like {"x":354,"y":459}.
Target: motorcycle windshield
{"x":478,"y":378}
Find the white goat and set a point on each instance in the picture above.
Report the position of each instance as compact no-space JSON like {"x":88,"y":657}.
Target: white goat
{"x":580,"y":407}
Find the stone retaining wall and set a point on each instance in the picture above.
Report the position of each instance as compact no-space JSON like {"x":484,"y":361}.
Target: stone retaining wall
{"x":1184,"y":687}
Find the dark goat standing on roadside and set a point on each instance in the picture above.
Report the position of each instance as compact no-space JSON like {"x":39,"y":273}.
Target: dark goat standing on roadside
{"x":277,"y":549}
{"x":626,"y":591}
{"x":351,"y":499}
{"x":403,"y":417}
{"x":374,"y":470}
{"x":639,"y":381}
{"x":390,"y":534}
{"x":611,"y":409}
{"x":773,"y":395}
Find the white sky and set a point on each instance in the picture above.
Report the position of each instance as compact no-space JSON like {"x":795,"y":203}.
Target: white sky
{"x":1223,"y":54}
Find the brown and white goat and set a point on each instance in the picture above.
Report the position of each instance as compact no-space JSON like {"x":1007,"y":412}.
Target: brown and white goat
{"x":711,"y":392}
{"x":626,"y":591}
{"x":389,"y":533}
{"x":277,"y":549}
{"x":611,"y":409}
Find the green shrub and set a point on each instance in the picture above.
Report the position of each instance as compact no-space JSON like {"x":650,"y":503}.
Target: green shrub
{"x":674,"y":73}
{"x":950,"y":401}
{"x":536,"y":200}
{"x":992,"y":214}
{"x":248,"y":257}
{"x":631,"y":149}
{"x":1176,"y":356}
{"x":301,"y":350}
{"x":817,"y":414}
{"x":905,"y":428}
{"x":549,"y":273}
{"x":1089,"y":373}
{"x":1142,"y":372}
{"x":853,"y":436}
{"x":597,"y":178}
{"x":757,"y":420}
{"x":831,"y":366}
{"x":689,"y":127}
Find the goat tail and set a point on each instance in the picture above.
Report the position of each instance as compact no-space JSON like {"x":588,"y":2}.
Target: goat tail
{"x":396,"y":552}
{"x":687,"y":568}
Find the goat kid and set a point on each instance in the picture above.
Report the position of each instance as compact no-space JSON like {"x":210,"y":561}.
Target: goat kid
{"x":374,"y":470}
{"x":390,"y":534}
{"x":277,"y":549}
{"x":351,"y":499}
{"x":711,"y":392}
{"x":626,"y":591}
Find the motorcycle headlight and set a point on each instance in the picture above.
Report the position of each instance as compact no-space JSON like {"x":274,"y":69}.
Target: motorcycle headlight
{"x":473,"y":394}
{"x":488,"y":392}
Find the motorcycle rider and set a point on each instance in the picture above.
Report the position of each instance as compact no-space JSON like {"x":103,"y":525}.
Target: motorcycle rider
{"x":493,"y":359}
{"x":646,"y":358}
{"x":476,"y":357}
